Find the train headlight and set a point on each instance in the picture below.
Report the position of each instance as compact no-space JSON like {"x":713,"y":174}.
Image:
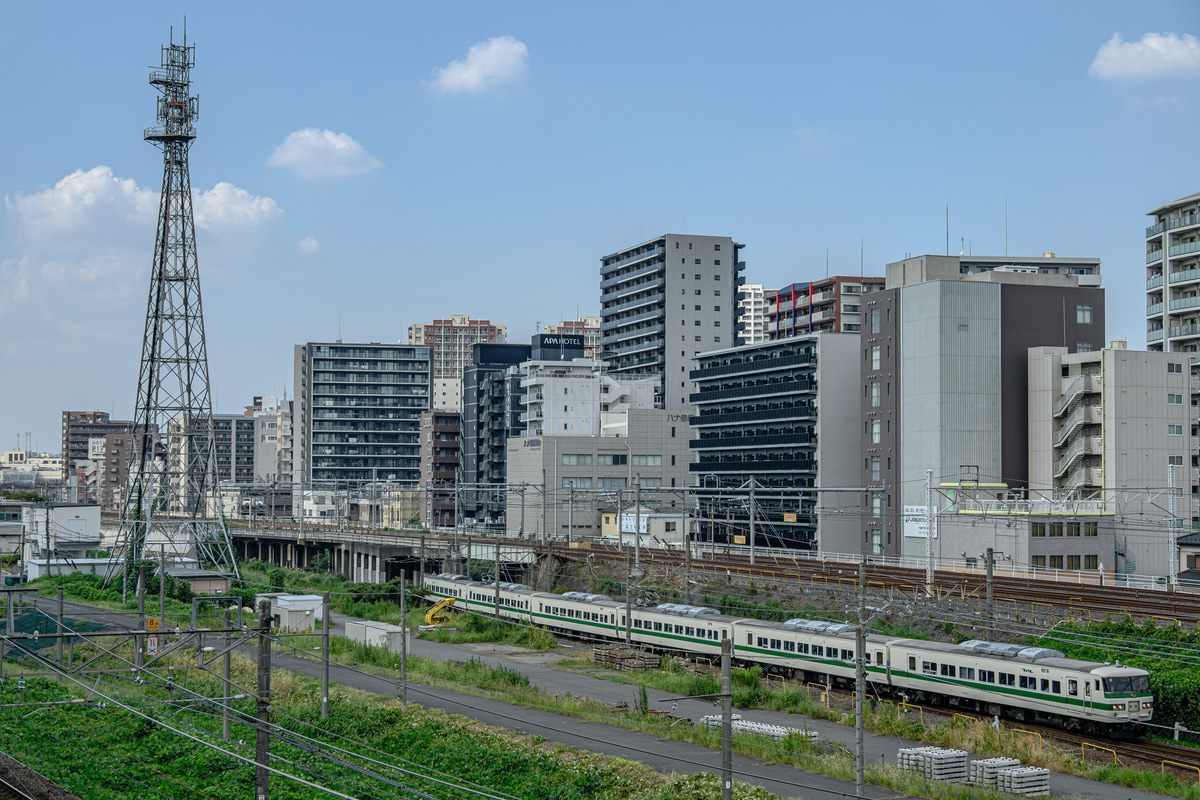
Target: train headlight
{"x":1146,"y":706}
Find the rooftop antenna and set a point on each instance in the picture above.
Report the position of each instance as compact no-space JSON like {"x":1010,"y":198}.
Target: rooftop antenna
{"x":962,"y":248}
{"x":1006,"y":225}
{"x":862,"y":256}
{"x":947,"y":229}
{"x":826,"y":262}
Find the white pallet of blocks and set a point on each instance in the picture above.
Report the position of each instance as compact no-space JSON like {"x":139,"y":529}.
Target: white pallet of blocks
{"x":739,"y":725}
{"x":935,"y":763}
{"x":984,"y":771}
{"x":1026,"y":781}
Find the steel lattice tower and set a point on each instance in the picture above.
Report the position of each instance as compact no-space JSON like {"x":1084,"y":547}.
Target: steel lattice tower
{"x":172,"y":504}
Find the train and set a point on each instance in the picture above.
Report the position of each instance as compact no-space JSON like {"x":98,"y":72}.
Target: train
{"x":1005,"y":680}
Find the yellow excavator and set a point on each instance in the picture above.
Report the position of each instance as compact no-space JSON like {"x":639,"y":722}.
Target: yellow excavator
{"x":437,"y":615}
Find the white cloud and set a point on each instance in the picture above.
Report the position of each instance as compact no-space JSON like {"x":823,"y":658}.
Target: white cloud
{"x":818,"y":140}
{"x":501,"y":59}
{"x":308,"y":245}
{"x":1156,"y":55}
{"x":225,"y":205}
{"x":313,"y":153}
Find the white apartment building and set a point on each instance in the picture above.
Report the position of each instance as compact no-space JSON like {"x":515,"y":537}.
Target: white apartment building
{"x":1111,"y":426}
{"x":450,"y":342}
{"x":1173,"y":277}
{"x":587,"y":327}
{"x":570,"y":398}
{"x":752,"y":314}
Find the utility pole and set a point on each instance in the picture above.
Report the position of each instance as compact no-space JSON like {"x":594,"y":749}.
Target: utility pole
{"x":860,"y":671}
{"x":58,"y":643}
{"x":991,"y":599}
{"x":227,"y":685}
{"x":929,"y":520}
{"x":468,"y":572}
{"x":726,"y":720}
{"x":628,"y":599}
{"x":752,"y":515}
{"x":325,"y":654}
{"x":162,"y":589}
{"x":262,"y":745}
{"x":570,"y":515}
{"x":422,"y":566}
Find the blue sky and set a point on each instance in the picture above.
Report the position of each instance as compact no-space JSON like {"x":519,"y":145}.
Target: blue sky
{"x":384,"y":164}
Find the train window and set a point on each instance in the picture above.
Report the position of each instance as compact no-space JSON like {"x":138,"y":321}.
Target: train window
{"x":749,"y":638}
{"x":1008,"y":679}
{"x":1073,"y":688}
{"x":948,"y":670}
{"x":776,"y":644}
{"x":1087,"y":688}
{"x":637,"y":623}
{"x":912,"y":663}
{"x":1056,"y":687}
{"x":967,"y":673}
{"x":879,"y":657}
{"x":866,"y":658}
{"x":724,"y":633}
{"x":804,"y":648}
{"x":1045,"y":685}
{"x":688,"y":632}
{"x":1028,"y":682}
{"x":679,"y":629}
{"x":987,"y":676}
{"x":929,"y":668}
{"x":658,"y":626}
{"x":789,"y":647}
{"x":762,"y":642}
{"x":847,"y":655}
{"x":818,"y":650}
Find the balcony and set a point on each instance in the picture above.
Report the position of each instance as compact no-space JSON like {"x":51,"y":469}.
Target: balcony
{"x":730,"y":442}
{"x":1088,"y":476}
{"x":1179,"y":330}
{"x":736,"y":417}
{"x":1154,"y":335}
{"x":759,"y":390}
{"x":757,"y":466}
{"x":654,"y":344}
{"x":614,"y":324}
{"x":1083,"y":415}
{"x":656,"y":297}
{"x":1185,"y":302}
{"x":630,"y":290}
{"x":1184,"y":275}
{"x":1156,"y":281}
{"x":1154,"y":309}
{"x":1184,"y":249}
{"x":1154,"y":255}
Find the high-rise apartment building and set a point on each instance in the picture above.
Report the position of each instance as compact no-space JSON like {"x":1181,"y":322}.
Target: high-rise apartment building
{"x":358,"y":412}
{"x":570,"y":398}
{"x":752,"y":314}
{"x":831,"y":304}
{"x":439,"y":465}
{"x":663,"y":302}
{"x":945,"y":375}
{"x":776,"y":413}
{"x":77,"y":428}
{"x":450,"y":342}
{"x":587,"y":327}
{"x":1173,"y":277}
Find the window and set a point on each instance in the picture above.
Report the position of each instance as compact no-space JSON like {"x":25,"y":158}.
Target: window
{"x":776,"y":644}
{"x":610,"y":483}
{"x":717,"y":247}
{"x":716,"y":308}
{"x":875,"y":394}
{"x":789,"y":647}
{"x":1175,"y":399}
{"x":1072,"y":688}
{"x":1175,"y":461}
{"x":1091,"y":528}
{"x":697,"y":338}
{"x":1174,"y":367}
{"x":929,"y":668}
{"x":717,"y":292}
{"x":1038,"y":562}
{"x":874,"y":431}
{"x":716,"y":338}
{"x":875,"y":357}
{"x":647,"y":461}
{"x":577,"y":483}
{"x":612,"y":459}
{"x":1083,"y":314}
{"x":697,"y":308}
{"x":577,"y":460}
{"x":1037,"y":530}
{"x":1072,"y":529}
{"x":987,"y":676}
{"x":1007,"y":679}
{"x":948,"y":670}
{"x":818,"y":650}
{"x":874,"y":320}
{"x":716,"y":262}
{"x":1091,"y":562}
{"x":1073,"y":562}
{"x":1174,"y":430}
{"x":875,"y":468}
{"x":1056,"y":529}
{"x":698,"y":292}
{"x":1056,"y":562}
{"x":912,"y":663}
{"x":717,"y":323}
{"x":1056,"y":687}
{"x":967,"y":673}
{"x":1083,"y":347}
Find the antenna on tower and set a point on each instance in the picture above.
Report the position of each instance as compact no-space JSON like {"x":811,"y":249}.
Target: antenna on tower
{"x":172,"y":501}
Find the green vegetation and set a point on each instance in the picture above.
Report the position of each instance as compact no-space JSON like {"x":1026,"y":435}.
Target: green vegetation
{"x":23,"y":496}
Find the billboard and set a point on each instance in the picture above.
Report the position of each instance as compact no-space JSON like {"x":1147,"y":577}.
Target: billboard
{"x":629,"y":522}
{"x":916,"y":519}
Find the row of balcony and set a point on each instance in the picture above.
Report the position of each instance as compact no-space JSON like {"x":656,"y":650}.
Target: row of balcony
{"x":635,"y":289}
{"x":754,"y":466}
{"x":633,"y":333}
{"x":1184,"y":249}
{"x":754,"y":365}
{"x":762,"y":389}
{"x":1172,"y":224}
{"x":791,"y":412}
{"x":629,"y":276}
{"x":656,"y":297}
{"x":613,"y":324}
{"x":658,"y":251}
{"x":773,"y":440}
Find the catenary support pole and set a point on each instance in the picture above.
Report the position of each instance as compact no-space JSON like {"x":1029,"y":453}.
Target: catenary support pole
{"x":637,"y":525}
{"x":753,"y":514}
{"x":497,"y":578}
{"x":726,"y":719}
{"x":991,"y":598}
{"x":929,"y":531}
{"x":687,"y":550}
{"x":58,"y":647}
{"x":162,"y":590}
{"x":403,"y":641}
{"x":138,"y":639}
{"x":262,"y":744}
{"x":227,"y":686}
{"x":860,"y":683}
{"x":325,"y":623}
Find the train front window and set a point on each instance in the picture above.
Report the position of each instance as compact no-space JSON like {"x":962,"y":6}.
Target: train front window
{"x":1127,"y":684}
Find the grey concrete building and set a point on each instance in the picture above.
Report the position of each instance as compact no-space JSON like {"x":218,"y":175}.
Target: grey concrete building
{"x":664,"y":301}
{"x":783,"y":414}
{"x":357,"y":412}
{"x":945,"y":375}
{"x":582,"y":474}
{"x":1115,"y":426}
{"x":1173,"y":276}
